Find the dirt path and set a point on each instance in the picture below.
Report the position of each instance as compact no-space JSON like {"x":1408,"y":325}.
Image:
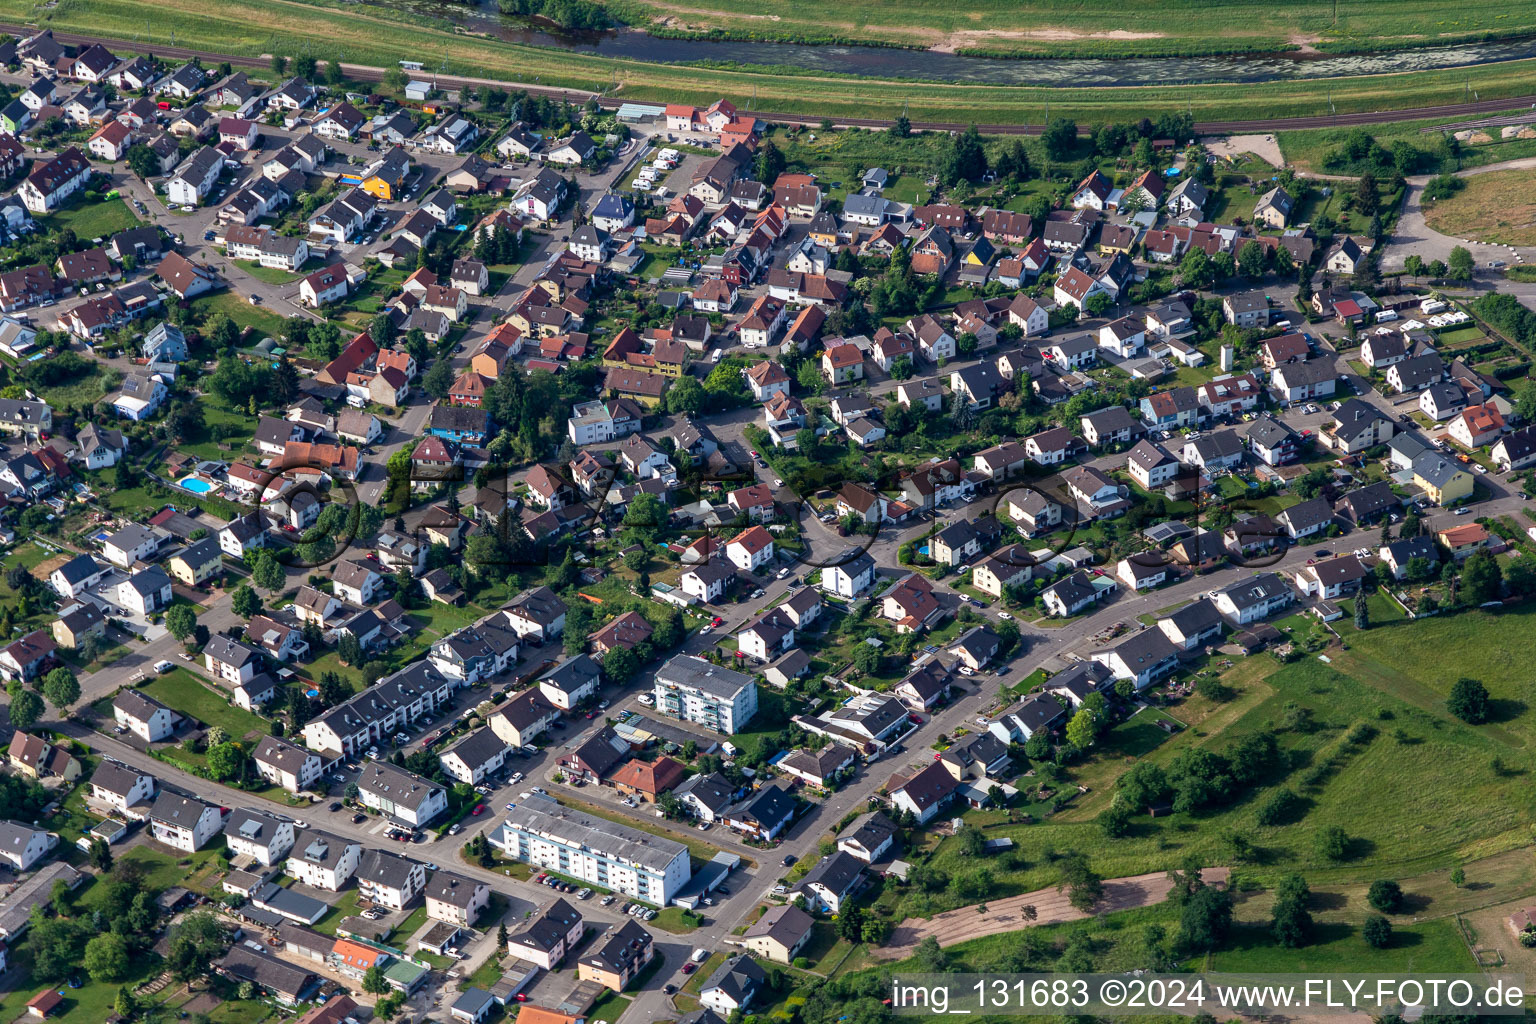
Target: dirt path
{"x":1051,"y":907}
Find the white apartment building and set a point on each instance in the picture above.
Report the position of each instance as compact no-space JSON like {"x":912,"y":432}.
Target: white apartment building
{"x":540,"y":832}
{"x":695,"y":691}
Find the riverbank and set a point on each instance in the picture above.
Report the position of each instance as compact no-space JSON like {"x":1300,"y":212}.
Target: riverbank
{"x":379,"y":38}
{"x":1070,"y":28}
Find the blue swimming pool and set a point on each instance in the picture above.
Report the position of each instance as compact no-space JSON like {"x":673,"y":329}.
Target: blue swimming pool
{"x":197,"y":485}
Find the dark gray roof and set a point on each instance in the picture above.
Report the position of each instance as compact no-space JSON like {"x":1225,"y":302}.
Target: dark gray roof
{"x":770,"y":807}
{"x":386,"y":869}
{"x":571,"y":674}
{"x":478,"y":748}
{"x":837,"y":873}
{"x":711,"y":789}
{"x":740,"y":978}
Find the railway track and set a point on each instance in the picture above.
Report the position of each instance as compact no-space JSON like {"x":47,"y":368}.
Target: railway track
{"x":366,"y":73}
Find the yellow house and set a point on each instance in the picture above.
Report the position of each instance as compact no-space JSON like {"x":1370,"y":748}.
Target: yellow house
{"x":383,"y":179}
{"x":980,"y":254}
{"x":36,"y":757}
{"x":1442,"y":479}
{"x":197,"y":563}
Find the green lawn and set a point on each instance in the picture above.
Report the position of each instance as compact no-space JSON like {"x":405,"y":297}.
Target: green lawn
{"x":182,"y":691}
{"x":676,"y":920}
{"x":610,"y":1006}
{"x":240,"y":311}
{"x":1138,"y":735}
{"x":345,"y":906}
{"x":83,"y":391}
{"x":1416,"y":948}
{"x":92,"y":220}
{"x":270,"y":275}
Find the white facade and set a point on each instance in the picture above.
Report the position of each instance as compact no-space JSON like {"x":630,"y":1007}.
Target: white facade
{"x":695,"y":691}
{"x":614,"y":856}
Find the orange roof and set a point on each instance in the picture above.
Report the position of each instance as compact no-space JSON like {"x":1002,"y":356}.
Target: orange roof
{"x":650,"y":778}
{"x":355,"y":954}
{"x":1461,"y":536}
{"x":394,"y":358}
{"x":527,"y":1013}
{"x":844,"y":355}
{"x":754,"y":539}
{"x":304,"y":454}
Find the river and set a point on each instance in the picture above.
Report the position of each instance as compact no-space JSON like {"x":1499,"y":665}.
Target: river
{"x":931,"y":65}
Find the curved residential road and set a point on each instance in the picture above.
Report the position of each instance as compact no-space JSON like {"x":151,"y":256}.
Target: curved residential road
{"x":366,"y":73}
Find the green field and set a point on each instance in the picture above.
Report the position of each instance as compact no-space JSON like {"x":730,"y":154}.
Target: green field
{"x":1377,"y":755}
{"x":380,"y":37}
{"x":92,"y":220}
{"x":185,"y":692}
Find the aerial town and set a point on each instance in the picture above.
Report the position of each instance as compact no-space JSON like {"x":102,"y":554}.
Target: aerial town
{"x":473,"y":555}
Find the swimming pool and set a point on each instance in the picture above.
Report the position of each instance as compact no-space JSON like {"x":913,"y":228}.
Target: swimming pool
{"x":196,"y":485}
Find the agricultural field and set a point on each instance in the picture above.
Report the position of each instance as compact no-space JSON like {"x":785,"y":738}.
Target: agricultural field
{"x":1496,"y":207}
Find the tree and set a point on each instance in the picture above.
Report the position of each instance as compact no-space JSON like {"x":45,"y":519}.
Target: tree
{"x":1468,"y":701}
{"x":850,"y":923}
{"x":106,"y":957}
{"x":501,"y":936}
{"x":26,"y":707}
{"x":374,"y":982}
{"x":967,"y":160}
{"x":1413,"y":265}
{"x":1367,"y":198}
{"x":770,"y":163}
{"x":267,"y":572}
{"x":438,"y":381}
{"x":61,"y":688}
{"x":1333,"y":843}
{"x":1143,"y":786}
{"x":1097,"y":304}
{"x":142,"y":161}
{"x":1083,"y":728}
{"x":620,"y":664}
{"x":901,"y":128}
{"x":867,"y":659}
{"x":1458,"y":876}
{"x":1461,"y":264}
{"x":928,"y":957}
{"x":1084,"y":886}
{"x":1251,"y":259}
{"x":1291,"y":923}
{"x":244,"y":602}
{"x":1385,"y":895}
{"x":1377,"y":932}
{"x":686,"y":395}
{"x":1362,"y":613}
{"x":279,"y":64}
{"x":181,"y":620}
{"x":1205,"y":919}
{"x":100,"y":854}
{"x":57,"y":944}
{"x":1481,"y":578}
{"x":1060,"y":138}
{"x":226,"y":762}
